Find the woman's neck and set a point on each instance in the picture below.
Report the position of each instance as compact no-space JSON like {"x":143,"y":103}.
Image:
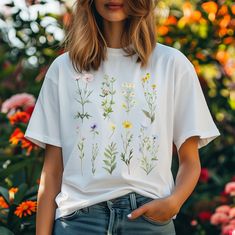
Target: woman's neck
{"x":113,"y":32}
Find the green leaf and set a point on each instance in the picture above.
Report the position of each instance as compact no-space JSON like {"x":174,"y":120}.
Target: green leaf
{"x":16,"y":167}
{"x":5,"y":231}
{"x":4,"y":192}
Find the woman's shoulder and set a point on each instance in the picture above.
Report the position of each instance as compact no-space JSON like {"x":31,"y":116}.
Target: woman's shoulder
{"x":168,"y":53}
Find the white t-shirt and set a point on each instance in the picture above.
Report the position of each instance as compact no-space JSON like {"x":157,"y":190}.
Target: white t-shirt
{"x":116,"y":125}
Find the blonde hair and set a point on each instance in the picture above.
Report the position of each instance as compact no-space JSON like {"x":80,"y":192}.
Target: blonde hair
{"x":86,"y":44}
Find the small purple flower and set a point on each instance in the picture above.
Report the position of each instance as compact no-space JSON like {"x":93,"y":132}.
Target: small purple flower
{"x":93,"y":127}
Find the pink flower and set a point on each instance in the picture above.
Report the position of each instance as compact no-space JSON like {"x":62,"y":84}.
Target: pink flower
{"x":87,"y":77}
{"x":230,"y":188}
{"x":193,"y":222}
{"x":219,"y":218}
{"x":232,"y":212}
{"x":223,"y":209}
{"x":228,"y":229}
{"x":23,"y":100}
{"x":204,"y":175}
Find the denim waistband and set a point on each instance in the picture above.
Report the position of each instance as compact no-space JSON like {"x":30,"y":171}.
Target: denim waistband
{"x":126,"y":200}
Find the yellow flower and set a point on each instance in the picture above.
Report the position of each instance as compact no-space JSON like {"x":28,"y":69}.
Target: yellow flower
{"x":124,"y":105}
{"x":154,"y":86}
{"x":127,"y":124}
{"x":112,"y":126}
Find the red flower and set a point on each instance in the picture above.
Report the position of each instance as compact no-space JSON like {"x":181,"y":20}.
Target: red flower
{"x":205,"y":216}
{"x":204,"y":175}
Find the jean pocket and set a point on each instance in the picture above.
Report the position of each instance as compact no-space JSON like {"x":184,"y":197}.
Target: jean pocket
{"x":74,"y":214}
{"x":155,"y":222}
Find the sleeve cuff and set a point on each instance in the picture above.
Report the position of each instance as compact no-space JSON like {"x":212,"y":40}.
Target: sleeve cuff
{"x":41,"y":140}
{"x":205,"y":138}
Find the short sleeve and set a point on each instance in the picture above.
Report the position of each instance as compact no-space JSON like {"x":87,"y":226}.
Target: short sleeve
{"x":192,"y":116}
{"x":44,"y":124}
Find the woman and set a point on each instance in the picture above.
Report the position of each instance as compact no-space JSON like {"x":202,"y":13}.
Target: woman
{"x":107,"y":114}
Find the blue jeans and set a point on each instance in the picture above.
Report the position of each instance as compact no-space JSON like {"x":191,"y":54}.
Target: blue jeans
{"x":110,"y":218}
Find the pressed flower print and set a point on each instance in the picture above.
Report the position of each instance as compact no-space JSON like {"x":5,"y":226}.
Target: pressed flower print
{"x":80,"y":146}
{"x":148,"y":149}
{"x":127,"y":153}
{"x":110,"y":155}
{"x":107,"y":93}
{"x":129,"y":95}
{"x":95,"y":148}
{"x":83,"y":94}
{"x":150,"y":95}
{"x":112,"y":126}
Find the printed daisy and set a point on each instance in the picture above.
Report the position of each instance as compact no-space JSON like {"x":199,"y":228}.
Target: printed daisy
{"x":25,"y":208}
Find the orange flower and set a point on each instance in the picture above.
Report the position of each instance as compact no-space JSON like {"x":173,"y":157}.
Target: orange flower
{"x":171,"y":20}
{"x":223,"y":10}
{"x":25,"y":208}
{"x":12,"y":191}
{"x":18,"y":136}
{"x":233,"y":8}
{"x":3,"y":203}
{"x":163,"y":30}
{"x":19,"y":117}
{"x":210,"y":7}
{"x":225,"y":21}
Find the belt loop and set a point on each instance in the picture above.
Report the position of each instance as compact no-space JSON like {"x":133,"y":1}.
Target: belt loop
{"x":133,"y":201}
{"x":111,"y":218}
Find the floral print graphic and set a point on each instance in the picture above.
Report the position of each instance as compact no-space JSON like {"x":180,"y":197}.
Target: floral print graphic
{"x":150,"y":95}
{"x":110,"y":157}
{"x":83,"y":94}
{"x":107,"y":93}
{"x":80,"y":146}
{"x":95,"y":148}
{"x":127,"y":155}
{"x":148,"y":149}
{"x":128,"y":93}
{"x":112,"y":127}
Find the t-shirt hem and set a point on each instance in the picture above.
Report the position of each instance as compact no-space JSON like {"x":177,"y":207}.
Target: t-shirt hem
{"x":41,"y":140}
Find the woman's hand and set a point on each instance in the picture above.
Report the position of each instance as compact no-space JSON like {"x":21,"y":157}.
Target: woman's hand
{"x":158,"y":209}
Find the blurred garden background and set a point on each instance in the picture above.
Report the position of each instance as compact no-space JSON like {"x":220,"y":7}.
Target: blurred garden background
{"x":30,"y":38}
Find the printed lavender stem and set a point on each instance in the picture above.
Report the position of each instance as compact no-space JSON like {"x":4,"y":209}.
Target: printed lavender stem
{"x":80,"y":146}
{"x":110,"y":157}
{"x":148,"y":150}
{"x":83,"y":99}
{"x":107,"y":92}
{"x":150,"y":97}
{"x":95,"y":151}
{"x":127,"y":155}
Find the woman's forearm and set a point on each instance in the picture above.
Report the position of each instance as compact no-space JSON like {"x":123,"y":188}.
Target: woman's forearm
{"x":186,"y":180}
{"x":46,"y":204}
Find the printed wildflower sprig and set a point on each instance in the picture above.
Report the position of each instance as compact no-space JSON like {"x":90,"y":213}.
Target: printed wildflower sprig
{"x":110,"y":157}
{"x":127,"y":155}
{"x":107,"y":92}
{"x":80,"y":146}
{"x":129,"y":95}
{"x":150,"y":95}
{"x":148,"y":149}
{"x":83,"y":94}
{"x":95,"y":148}
{"x":112,"y":127}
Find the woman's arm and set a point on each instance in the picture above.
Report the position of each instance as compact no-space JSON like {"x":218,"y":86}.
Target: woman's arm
{"x":186,"y":180}
{"x":49,"y":187}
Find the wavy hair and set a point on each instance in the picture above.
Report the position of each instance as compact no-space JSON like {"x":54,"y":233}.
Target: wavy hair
{"x":86,"y":44}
